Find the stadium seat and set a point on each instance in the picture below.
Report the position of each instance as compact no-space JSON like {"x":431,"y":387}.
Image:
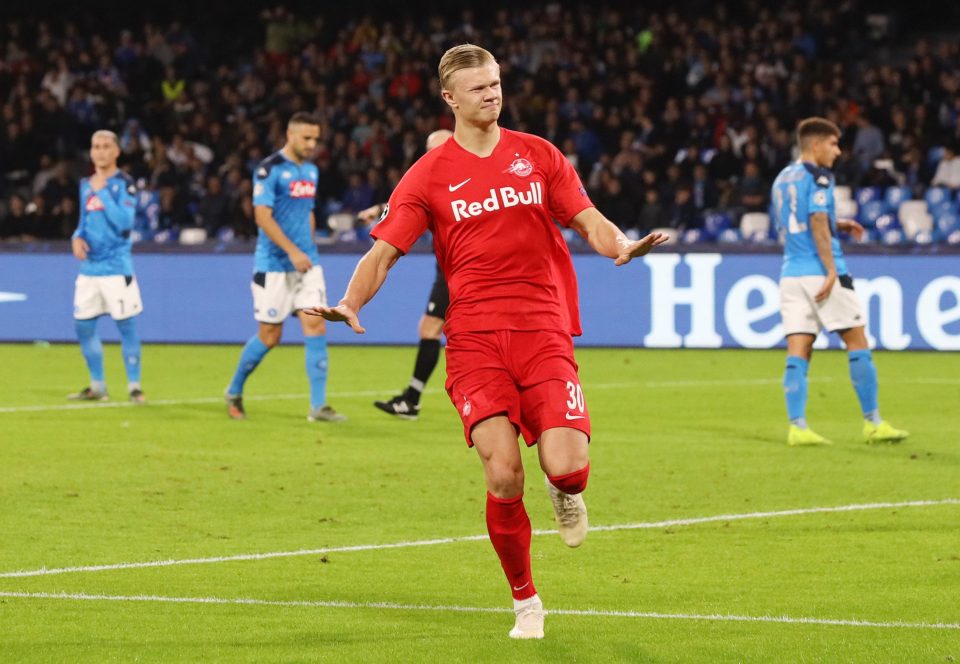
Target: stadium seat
{"x":868,"y":195}
{"x":715,"y":223}
{"x":193,"y":235}
{"x":870,"y":212}
{"x":753,"y":223}
{"x":842,"y":193}
{"x":340,"y":224}
{"x":847,"y":208}
{"x":923,"y":238}
{"x":954,"y":238}
{"x":730,"y":236}
{"x":893,"y":237}
{"x":914,"y":218}
{"x":946,"y":224}
{"x":673,"y":235}
{"x":945,"y":208}
{"x":886,"y":222}
{"x":936,"y":195}
{"x":894,"y":196}
{"x":694,"y":236}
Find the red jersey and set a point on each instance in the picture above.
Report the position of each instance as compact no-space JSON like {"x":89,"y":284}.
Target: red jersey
{"x":492,"y":219}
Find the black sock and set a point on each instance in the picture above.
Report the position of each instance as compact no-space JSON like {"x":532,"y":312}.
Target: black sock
{"x":427,"y":357}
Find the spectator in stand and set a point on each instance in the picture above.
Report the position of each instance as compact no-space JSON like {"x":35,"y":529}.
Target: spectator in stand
{"x":948,"y":170}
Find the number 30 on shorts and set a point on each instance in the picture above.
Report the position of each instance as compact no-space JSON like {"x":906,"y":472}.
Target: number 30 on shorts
{"x":576,"y":396}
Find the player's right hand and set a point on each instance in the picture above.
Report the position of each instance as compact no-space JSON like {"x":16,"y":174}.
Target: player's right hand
{"x":338,"y":314}
{"x":301,"y":262}
{"x":80,"y":248}
{"x":828,"y":283}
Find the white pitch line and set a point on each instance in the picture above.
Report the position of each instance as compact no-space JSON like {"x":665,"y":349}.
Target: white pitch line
{"x":593,"y":613}
{"x":375,"y":393}
{"x":469,"y":538}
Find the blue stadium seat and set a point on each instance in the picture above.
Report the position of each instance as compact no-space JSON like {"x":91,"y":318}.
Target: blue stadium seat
{"x":729,"y":236}
{"x":694,"y":236}
{"x":923,"y":237}
{"x":871,"y":211}
{"x":943,"y":209}
{"x":894,"y":196}
{"x":893,"y":237}
{"x":954,"y":238}
{"x":866,"y":195}
{"x":936,"y":195}
{"x":947,"y":223}
{"x":886,"y":222}
{"x":717,"y":222}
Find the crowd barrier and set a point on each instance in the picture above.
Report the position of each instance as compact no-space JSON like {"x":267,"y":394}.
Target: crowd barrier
{"x":665,"y":300}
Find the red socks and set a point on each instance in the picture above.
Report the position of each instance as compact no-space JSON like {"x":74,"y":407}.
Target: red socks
{"x":509,"y":528}
{"x":571,"y":483}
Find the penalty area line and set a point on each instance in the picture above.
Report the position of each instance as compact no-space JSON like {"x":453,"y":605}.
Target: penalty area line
{"x":590,"y":613}
{"x":470,"y":538}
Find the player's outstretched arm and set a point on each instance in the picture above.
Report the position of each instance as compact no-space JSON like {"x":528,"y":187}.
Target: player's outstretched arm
{"x":367,"y":279}
{"x":608,"y":240}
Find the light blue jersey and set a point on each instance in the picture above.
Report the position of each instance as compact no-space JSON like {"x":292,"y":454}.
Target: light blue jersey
{"x":106,"y":218}
{"x":800,"y":191}
{"x":290,"y":190}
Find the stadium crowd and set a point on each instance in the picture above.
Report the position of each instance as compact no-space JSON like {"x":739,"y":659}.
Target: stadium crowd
{"x":666,"y":114}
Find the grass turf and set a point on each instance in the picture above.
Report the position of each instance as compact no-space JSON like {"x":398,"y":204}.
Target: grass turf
{"x":676,"y":434}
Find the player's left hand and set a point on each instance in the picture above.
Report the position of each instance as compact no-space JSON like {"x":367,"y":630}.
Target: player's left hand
{"x":631,"y":250}
{"x":851,"y":227}
{"x":338,"y":314}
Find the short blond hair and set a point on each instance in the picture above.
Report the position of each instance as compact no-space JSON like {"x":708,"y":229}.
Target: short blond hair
{"x":107,"y":134}
{"x":462,"y":56}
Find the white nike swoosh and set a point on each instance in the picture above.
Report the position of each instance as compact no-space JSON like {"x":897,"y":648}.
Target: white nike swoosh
{"x":575,"y":417}
{"x":522,"y":587}
{"x":454,"y":188}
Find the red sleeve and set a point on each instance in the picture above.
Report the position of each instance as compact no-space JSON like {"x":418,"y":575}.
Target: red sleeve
{"x":566,"y":197}
{"x":406,"y":215}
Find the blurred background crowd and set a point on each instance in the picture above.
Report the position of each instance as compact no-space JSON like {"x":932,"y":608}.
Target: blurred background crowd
{"x":669,"y":111}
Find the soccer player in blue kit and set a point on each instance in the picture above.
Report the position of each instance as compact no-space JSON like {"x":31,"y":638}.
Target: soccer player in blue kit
{"x":816,"y":289}
{"x":287,"y":277}
{"x":106,"y":283}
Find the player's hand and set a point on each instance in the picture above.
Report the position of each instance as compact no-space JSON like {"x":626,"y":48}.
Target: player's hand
{"x":80,"y":248}
{"x":301,"y":262}
{"x":828,"y":283}
{"x":371,"y":214}
{"x":341,"y":313}
{"x":851,"y":227}
{"x":631,"y":250}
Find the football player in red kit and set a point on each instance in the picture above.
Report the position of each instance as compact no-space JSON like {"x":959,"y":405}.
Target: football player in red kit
{"x":490,"y":198}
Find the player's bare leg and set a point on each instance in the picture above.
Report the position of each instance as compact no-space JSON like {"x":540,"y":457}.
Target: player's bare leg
{"x":565,"y":460}
{"x":495,"y":440}
{"x":268,"y":336}
{"x":315,"y":351}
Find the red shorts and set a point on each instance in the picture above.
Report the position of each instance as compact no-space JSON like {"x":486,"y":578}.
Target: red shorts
{"x":529,"y":376}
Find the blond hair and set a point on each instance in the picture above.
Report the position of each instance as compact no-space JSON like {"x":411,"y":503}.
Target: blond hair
{"x":462,"y":56}
{"x":108,"y":134}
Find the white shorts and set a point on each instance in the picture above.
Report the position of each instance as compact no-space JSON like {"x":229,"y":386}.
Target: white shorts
{"x":116,"y":294}
{"x":276,"y":295}
{"x":802,"y":314}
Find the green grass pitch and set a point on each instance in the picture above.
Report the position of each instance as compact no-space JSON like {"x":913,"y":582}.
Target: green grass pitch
{"x":677,"y":435}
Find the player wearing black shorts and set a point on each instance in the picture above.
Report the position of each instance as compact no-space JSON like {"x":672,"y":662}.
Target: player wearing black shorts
{"x":407,"y":404}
